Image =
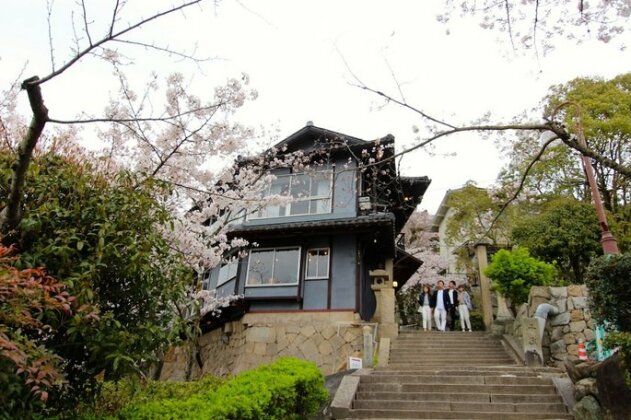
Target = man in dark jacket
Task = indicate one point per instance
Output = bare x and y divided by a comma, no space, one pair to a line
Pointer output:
452,293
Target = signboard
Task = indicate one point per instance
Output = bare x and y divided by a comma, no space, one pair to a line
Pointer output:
354,362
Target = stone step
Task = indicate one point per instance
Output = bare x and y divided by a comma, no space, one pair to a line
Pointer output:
455,358
448,352
456,337
417,414
447,365
475,369
443,379
455,372
434,331
442,348
552,408
456,389
463,397
446,361
444,345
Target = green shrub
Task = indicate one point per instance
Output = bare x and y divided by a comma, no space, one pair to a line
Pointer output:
609,281
286,389
515,272
115,396
621,340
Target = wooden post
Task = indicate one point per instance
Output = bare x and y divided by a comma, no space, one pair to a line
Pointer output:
485,286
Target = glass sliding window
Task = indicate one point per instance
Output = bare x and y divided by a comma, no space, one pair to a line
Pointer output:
317,266
273,267
227,272
310,193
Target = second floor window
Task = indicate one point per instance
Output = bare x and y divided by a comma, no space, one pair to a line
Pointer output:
228,271
310,193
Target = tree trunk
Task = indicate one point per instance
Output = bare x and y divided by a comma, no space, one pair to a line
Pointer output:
11,215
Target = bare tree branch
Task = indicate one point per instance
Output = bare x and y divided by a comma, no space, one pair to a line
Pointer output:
49,12
114,17
85,22
166,50
508,22
520,186
110,37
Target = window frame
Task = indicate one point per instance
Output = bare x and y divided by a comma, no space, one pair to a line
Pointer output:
234,262
328,265
247,273
329,197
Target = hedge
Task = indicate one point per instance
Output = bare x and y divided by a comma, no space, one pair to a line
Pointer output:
289,388
116,396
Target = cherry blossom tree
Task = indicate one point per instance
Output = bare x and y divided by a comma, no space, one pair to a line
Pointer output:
534,24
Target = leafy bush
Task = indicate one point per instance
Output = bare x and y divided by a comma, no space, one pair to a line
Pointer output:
566,233
286,389
515,272
32,304
621,340
609,282
99,236
116,396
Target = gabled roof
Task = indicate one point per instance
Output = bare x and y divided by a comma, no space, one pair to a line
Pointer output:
311,137
310,131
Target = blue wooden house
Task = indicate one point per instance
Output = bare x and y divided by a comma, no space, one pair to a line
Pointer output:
336,245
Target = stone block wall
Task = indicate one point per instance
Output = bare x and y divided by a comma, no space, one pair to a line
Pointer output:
563,331
327,338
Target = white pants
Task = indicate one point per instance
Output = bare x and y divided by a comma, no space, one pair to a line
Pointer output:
426,312
440,318
465,322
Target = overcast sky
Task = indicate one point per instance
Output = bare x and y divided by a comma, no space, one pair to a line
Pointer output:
295,54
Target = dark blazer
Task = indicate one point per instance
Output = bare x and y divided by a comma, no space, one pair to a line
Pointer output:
455,304
446,302
432,299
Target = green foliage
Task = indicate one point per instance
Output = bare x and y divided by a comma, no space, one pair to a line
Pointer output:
515,272
116,396
32,305
609,282
566,233
621,340
99,237
606,122
286,389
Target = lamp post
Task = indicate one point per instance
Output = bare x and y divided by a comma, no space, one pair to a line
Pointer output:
607,240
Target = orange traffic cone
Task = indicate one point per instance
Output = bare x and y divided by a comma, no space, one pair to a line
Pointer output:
582,354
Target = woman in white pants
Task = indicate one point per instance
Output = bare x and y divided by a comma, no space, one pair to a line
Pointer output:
464,306
425,308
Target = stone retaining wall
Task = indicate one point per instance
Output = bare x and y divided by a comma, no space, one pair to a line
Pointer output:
327,338
563,331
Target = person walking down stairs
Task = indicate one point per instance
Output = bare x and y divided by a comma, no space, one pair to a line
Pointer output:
464,306
441,300
425,301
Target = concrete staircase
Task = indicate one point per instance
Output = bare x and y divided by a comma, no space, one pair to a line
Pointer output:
455,375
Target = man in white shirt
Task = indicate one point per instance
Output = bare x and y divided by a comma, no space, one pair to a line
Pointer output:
441,300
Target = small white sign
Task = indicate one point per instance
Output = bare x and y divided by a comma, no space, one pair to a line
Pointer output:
354,362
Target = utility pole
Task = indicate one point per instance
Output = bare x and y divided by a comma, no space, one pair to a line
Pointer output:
607,240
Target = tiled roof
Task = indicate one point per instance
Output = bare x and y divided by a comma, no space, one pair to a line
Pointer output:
367,220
